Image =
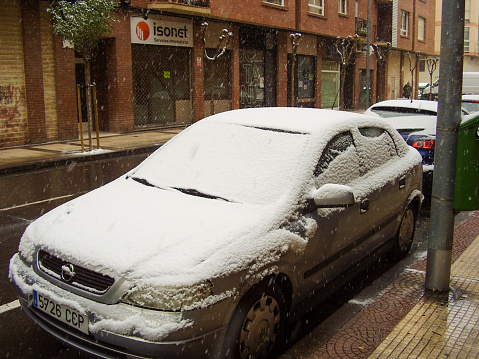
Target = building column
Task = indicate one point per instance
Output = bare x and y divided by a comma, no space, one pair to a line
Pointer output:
319,73
282,83
65,81
34,91
119,77
235,91
198,73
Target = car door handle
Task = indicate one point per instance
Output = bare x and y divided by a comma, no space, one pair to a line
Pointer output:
364,206
402,183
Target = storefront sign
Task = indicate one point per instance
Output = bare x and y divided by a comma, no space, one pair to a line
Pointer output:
157,32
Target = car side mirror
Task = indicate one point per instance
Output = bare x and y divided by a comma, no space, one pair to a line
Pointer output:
333,195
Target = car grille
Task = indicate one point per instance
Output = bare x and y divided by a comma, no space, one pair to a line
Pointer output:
83,278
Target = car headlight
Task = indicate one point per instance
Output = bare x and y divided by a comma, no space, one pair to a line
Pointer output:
168,298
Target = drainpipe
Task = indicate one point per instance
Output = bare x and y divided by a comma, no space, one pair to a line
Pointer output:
368,45
439,254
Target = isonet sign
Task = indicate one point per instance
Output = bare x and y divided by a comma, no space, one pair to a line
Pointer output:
158,32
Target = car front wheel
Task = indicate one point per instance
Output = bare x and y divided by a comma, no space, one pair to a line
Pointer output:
257,324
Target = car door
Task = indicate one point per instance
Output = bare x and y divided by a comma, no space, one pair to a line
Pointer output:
332,249
384,188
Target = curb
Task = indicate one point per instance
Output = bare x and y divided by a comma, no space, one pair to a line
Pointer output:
67,160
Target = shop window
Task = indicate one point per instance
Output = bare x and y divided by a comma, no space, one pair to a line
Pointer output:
330,84
218,77
161,79
304,80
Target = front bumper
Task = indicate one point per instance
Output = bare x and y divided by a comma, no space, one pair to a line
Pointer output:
120,330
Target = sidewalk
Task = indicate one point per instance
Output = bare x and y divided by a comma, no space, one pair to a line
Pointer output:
33,157
404,321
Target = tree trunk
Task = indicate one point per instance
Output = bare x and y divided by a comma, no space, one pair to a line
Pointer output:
88,100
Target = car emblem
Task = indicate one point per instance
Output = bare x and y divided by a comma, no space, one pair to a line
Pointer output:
68,272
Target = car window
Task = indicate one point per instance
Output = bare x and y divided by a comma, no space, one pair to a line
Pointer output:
386,111
471,107
339,162
375,146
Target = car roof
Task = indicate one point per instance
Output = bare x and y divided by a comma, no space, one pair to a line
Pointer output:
408,103
291,119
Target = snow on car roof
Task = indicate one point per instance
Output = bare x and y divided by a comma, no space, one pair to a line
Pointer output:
305,120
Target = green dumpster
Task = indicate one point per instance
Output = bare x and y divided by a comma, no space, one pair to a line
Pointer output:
466,188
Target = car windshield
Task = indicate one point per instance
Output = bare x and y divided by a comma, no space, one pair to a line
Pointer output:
227,161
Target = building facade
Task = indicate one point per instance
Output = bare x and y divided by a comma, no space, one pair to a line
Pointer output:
471,41
160,65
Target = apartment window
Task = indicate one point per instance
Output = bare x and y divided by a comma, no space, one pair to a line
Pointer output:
404,23
466,39
316,7
421,28
343,7
275,2
467,13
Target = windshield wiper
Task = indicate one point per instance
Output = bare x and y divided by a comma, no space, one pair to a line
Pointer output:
188,191
196,193
142,181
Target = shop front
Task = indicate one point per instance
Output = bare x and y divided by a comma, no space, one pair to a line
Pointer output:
161,60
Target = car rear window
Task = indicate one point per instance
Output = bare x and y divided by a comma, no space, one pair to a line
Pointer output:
386,111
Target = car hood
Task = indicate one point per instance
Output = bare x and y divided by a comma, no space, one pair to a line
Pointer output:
148,233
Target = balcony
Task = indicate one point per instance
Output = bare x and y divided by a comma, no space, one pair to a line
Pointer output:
185,7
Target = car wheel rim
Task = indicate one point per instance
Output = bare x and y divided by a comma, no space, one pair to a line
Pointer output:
260,328
406,231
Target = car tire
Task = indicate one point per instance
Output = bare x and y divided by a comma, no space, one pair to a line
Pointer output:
257,326
405,233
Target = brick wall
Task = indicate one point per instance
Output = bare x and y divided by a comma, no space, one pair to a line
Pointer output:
120,78
13,112
48,65
32,57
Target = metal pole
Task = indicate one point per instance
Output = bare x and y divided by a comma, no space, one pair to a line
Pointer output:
439,254
368,44
95,107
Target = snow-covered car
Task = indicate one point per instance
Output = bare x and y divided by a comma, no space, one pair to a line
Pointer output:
230,230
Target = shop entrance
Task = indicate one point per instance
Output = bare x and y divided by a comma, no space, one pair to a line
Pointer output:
257,67
161,85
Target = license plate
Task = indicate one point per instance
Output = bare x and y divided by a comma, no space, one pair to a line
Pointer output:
61,312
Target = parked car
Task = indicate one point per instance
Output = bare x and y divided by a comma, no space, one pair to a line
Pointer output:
210,245
416,121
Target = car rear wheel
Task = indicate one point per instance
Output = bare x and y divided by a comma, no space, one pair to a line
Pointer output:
405,234
257,324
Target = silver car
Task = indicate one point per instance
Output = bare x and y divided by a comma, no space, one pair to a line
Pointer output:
222,236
